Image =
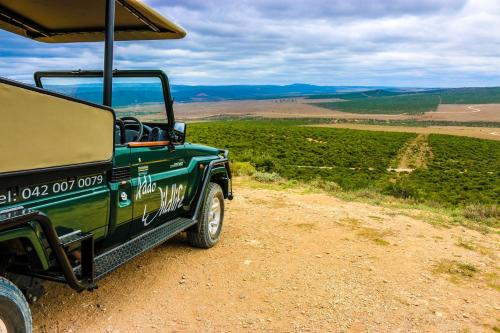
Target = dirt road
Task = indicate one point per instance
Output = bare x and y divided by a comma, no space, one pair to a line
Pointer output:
462,112
295,262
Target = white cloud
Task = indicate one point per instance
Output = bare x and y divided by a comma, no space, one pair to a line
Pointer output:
331,42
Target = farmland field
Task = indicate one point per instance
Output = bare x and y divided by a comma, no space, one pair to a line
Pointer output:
307,108
408,104
483,95
459,170
411,103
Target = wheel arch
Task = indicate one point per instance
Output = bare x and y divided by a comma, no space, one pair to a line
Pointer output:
27,240
221,176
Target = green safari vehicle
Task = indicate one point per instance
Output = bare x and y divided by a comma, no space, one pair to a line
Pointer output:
94,169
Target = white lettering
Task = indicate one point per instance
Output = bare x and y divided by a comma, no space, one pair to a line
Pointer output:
3,199
171,199
146,186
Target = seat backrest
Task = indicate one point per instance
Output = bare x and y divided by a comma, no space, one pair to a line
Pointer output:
41,129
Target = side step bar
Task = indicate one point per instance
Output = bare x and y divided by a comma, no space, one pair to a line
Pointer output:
19,216
116,257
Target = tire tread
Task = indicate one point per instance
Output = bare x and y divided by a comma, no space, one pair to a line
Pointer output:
198,234
11,292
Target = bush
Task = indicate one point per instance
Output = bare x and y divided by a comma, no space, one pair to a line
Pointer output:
242,169
264,163
402,189
266,177
325,185
483,213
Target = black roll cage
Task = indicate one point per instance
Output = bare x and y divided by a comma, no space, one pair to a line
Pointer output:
167,97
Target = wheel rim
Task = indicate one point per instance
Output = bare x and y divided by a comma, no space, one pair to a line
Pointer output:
3,326
214,217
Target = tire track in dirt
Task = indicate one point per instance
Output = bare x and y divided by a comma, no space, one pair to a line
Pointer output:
414,155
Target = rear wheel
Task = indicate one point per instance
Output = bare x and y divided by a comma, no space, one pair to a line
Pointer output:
15,315
207,233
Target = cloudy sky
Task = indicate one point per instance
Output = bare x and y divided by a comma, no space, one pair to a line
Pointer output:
416,43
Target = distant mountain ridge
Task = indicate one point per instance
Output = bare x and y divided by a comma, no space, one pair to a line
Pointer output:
185,93
125,94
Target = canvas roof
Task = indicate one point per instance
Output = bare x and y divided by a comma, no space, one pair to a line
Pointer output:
70,21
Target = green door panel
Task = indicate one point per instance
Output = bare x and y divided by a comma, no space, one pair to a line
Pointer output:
121,205
87,211
159,183
71,203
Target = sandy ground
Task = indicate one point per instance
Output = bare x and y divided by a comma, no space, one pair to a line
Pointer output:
491,133
304,108
294,262
260,108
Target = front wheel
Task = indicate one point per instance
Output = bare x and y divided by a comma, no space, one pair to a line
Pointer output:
207,233
15,315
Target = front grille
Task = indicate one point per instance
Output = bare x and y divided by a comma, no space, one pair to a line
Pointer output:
120,174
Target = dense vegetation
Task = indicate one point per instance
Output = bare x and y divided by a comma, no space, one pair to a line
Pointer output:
397,102
404,122
409,104
470,95
460,170
352,159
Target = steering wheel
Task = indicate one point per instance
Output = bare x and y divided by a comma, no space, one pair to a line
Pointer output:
133,135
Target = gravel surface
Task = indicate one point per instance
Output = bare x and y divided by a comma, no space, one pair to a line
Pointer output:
295,262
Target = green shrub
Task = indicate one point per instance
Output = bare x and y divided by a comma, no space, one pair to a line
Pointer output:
266,177
242,169
325,185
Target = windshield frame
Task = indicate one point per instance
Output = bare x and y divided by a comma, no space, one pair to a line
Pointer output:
38,76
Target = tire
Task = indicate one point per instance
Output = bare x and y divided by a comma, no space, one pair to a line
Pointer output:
15,314
207,232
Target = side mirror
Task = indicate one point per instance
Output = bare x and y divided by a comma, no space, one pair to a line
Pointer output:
180,132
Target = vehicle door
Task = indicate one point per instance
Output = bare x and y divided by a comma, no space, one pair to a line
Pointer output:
159,184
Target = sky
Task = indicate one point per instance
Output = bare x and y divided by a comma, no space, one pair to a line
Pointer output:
406,43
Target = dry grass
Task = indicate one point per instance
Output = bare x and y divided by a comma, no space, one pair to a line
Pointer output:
487,214
492,280
466,244
352,222
457,271
375,235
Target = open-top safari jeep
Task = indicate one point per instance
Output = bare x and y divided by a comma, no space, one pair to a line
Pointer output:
94,169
